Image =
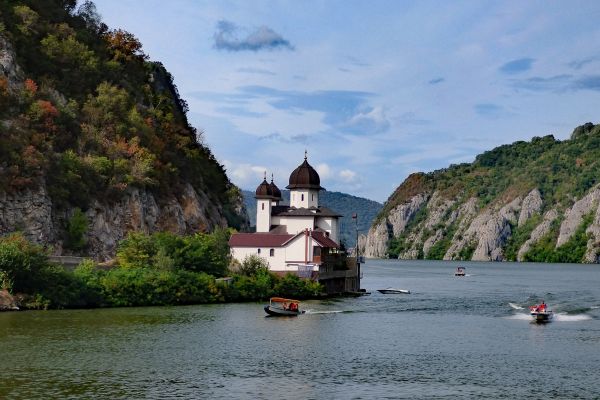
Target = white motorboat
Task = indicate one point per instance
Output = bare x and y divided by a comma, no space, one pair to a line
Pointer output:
393,291
460,271
540,313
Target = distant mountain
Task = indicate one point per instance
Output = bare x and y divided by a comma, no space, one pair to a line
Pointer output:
526,201
343,203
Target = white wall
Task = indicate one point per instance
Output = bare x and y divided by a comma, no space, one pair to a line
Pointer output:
311,198
331,225
284,258
276,262
263,215
296,224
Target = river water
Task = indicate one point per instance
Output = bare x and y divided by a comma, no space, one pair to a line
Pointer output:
450,338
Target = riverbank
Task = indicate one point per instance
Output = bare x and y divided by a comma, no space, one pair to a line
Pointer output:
150,270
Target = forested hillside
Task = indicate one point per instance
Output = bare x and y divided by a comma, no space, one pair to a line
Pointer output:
94,139
531,201
342,203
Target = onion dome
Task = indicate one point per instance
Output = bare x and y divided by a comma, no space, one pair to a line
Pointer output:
264,190
275,190
305,177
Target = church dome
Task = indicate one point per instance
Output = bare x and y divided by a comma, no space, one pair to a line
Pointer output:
275,192
305,177
264,190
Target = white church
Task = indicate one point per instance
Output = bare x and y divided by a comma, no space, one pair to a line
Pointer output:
292,238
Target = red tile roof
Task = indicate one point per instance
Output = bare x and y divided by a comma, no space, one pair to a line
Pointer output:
324,240
258,240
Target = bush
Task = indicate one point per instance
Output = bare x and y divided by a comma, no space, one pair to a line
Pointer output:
252,265
22,263
293,286
77,227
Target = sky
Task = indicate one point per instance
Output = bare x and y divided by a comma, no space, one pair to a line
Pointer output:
372,90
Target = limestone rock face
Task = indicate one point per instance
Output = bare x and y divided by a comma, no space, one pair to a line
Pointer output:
421,238
532,204
542,229
28,211
8,65
393,225
139,211
484,233
465,214
574,215
31,212
401,215
377,240
592,254
493,230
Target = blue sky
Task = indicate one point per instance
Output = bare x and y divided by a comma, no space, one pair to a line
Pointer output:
374,90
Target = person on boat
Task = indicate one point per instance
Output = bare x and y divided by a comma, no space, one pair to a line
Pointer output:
293,307
543,306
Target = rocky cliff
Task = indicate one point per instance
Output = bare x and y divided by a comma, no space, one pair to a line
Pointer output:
490,211
88,126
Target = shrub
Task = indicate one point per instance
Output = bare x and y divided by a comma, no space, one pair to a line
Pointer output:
253,264
293,286
22,263
77,227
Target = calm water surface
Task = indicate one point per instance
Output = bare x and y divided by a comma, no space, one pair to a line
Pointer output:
450,338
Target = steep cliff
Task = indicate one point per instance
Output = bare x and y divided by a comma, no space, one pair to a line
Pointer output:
89,127
490,210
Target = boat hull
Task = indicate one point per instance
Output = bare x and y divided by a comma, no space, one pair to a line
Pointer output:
393,291
542,316
280,312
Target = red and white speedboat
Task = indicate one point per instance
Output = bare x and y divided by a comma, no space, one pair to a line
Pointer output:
540,312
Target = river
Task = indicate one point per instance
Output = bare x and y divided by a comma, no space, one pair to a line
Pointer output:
450,338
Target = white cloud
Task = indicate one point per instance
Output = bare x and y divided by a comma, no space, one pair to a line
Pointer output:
347,175
324,171
245,175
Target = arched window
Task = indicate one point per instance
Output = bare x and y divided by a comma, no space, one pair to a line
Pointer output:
258,251
302,197
313,197
272,252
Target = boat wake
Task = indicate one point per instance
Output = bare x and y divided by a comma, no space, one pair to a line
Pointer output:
571,318
523,317
516,306
323,312
562,317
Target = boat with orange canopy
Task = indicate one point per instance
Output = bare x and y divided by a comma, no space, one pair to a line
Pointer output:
280,307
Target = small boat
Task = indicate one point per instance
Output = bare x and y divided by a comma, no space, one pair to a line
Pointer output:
393,291
460,271
280,307
540,313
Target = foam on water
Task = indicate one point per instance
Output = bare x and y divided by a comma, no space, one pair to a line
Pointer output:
522,317
516,306
562,317
571,318
323,312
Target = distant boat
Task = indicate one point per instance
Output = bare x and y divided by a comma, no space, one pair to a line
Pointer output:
393,291
540,313
280,307
460,271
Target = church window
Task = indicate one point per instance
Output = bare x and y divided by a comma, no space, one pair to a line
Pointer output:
313,197
263,206
302,198
258,251
272,252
